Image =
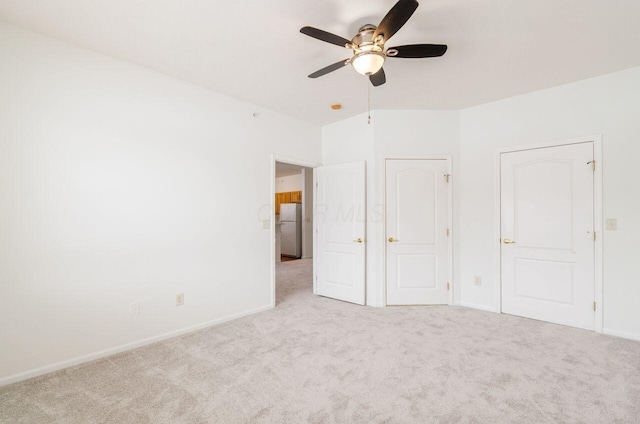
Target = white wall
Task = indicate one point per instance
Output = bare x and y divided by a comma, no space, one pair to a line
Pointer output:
606,105
114,189
391,133
290,183
114,186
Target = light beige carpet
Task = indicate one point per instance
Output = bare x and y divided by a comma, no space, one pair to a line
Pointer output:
316,360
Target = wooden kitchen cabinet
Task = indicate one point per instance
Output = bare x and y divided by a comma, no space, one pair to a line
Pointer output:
296,197
282,198
287,197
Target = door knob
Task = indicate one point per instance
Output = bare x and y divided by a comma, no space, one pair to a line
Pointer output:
358,240
508,241
392,240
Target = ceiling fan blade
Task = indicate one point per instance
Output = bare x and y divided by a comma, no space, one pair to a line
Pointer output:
396,18
329,68
416,51
378,78
325,36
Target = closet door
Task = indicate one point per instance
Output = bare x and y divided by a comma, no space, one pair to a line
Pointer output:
417,236
547,223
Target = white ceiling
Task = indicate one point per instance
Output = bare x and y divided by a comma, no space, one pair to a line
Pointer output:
252,49
287,169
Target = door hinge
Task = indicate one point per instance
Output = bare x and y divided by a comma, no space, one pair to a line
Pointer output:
448,286
595,236
448,232
447,177
593,164
594,306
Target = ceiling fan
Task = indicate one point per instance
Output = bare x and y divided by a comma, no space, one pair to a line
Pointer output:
368,44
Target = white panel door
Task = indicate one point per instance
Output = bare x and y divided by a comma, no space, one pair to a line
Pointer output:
547,222
417,237
340,223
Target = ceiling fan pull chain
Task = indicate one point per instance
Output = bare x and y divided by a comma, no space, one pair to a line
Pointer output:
368,103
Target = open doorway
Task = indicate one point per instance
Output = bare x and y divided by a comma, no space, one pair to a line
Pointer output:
292,219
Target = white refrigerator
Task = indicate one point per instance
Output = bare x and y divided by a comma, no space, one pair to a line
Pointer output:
291,229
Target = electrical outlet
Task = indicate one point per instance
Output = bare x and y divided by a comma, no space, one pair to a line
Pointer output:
134,308
266,224
180,299
477,280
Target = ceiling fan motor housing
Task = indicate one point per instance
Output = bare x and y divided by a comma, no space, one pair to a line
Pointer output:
364,35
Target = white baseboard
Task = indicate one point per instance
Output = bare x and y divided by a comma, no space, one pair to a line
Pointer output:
307,257
4,381
623,334
476,306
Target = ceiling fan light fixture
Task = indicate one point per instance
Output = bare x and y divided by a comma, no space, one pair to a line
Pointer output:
368,62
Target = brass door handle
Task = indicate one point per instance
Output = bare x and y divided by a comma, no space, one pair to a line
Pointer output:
358,240
392,240
508,241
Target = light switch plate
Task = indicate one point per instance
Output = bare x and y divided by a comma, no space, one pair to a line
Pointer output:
611,224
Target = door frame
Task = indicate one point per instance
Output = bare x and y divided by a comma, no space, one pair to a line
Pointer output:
383,175
597,217
272,217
